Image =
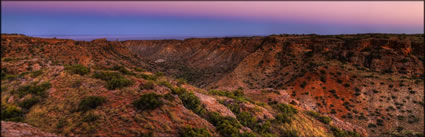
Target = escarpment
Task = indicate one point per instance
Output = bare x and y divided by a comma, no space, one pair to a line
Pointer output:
278,85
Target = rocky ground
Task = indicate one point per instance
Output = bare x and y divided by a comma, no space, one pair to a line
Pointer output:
280,85
13,129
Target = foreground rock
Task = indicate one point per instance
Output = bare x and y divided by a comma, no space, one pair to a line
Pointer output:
14,129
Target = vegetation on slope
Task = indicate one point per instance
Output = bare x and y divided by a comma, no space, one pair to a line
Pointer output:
330,82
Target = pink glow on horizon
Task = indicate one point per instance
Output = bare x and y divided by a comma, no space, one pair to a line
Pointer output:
346,12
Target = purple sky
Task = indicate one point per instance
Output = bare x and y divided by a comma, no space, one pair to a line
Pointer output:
210,18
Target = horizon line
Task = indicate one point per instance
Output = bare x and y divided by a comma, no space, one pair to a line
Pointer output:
192,37
154,35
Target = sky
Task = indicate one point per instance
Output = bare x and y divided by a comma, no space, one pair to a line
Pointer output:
209,18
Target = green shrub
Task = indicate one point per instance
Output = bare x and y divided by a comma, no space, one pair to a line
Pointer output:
178,90
45,85
346,85
113,80
11,113
8,59
28,103
147,85
139,69
264,128
234,107
303,84
285,108
61,123
107,76
166,84
36,73
191,101
181,81
236,94
412,119
195,132
26,73
228,127
90,117
34,89
118,83
293,94
247,119
77,69
147,77
357,89
21,75
289,133
213,117
400,117
286,112
248,134
371,125
219,92
11,77
169,97
283,118
323,79
342,133
91,102
379,122
76,84
148,101
357,94
159,74
333,111
333,91
123,70
323,119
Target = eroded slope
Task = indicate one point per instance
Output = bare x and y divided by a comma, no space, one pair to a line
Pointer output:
102,88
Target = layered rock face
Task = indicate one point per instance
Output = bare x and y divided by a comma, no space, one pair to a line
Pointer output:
211,60
358,78
194,59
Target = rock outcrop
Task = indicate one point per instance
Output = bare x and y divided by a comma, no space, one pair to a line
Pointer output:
15,129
